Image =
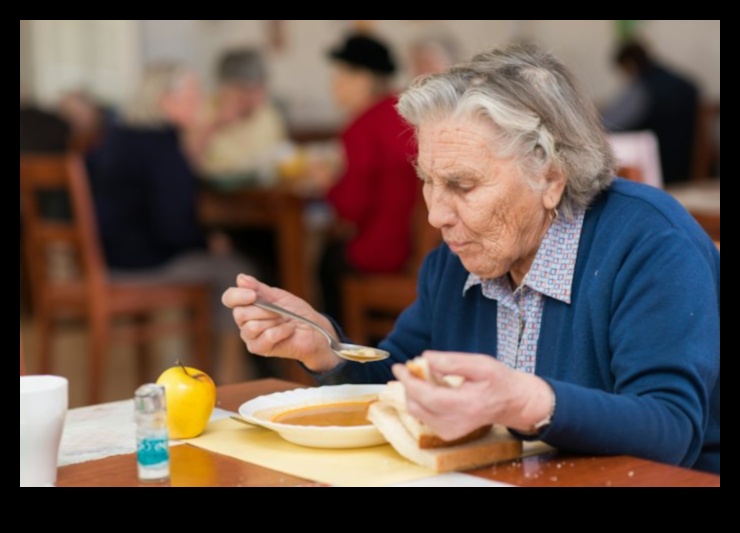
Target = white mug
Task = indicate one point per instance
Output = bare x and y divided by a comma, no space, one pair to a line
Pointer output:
44,401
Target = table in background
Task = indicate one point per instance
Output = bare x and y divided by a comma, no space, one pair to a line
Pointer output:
195,467
279,209
702,200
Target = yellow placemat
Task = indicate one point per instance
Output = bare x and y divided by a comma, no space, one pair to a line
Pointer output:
361,467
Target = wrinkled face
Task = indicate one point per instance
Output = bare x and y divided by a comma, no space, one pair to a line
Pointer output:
353,89
242,99
489,214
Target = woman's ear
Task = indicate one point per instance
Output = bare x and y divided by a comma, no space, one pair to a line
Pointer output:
555,182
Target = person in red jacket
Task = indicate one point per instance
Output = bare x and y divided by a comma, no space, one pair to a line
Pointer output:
378,187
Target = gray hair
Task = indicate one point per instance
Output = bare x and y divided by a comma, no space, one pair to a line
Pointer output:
244,65
144,109
542,117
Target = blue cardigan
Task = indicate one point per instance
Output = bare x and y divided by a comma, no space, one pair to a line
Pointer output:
634,359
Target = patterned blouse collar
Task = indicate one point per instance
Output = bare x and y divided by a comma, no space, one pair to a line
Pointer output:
553,268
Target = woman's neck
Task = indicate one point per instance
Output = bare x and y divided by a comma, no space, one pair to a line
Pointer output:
521,268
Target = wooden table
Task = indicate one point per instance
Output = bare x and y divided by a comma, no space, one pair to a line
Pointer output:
702,200
194,467
278,209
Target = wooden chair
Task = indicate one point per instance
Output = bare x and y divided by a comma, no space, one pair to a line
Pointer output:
372,303
709,222
25,285
630,173
705,150
90,295
714,135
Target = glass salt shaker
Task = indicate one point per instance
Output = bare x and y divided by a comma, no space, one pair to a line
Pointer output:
152,436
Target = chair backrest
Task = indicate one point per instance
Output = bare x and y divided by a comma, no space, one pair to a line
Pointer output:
704,141
710,222
630,173
76,235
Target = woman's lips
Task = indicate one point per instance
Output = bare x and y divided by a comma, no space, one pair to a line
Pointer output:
457,247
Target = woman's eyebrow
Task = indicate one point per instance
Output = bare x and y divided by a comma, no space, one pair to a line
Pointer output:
453,176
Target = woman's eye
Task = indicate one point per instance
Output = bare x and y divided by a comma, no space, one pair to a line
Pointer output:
460,186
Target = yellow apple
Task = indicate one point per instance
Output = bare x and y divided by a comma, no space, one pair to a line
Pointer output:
191,398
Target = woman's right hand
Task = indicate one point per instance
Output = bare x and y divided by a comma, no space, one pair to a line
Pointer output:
271,335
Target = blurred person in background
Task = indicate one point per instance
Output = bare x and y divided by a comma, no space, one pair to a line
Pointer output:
432,54
374,196
237,139
145,191
242,129
659,99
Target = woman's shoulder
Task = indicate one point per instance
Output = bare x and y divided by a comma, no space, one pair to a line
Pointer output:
642,208
631,219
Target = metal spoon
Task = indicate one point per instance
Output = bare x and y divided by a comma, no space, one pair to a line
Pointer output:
350,352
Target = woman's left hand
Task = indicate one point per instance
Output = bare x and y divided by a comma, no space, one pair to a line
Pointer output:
491,394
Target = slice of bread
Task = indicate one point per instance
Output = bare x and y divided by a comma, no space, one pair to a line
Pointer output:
494,446
419,367
395,396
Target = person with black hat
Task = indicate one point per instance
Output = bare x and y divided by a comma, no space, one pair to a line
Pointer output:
377,190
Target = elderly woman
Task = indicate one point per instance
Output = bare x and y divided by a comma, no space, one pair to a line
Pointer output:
582,310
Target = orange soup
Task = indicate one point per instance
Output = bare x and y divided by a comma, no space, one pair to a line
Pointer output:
347,414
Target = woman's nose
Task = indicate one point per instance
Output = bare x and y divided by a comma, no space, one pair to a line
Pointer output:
441,211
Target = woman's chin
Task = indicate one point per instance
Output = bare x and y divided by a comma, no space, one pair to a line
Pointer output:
473,266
